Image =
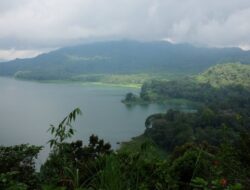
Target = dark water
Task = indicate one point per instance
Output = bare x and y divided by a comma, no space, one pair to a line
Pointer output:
27,109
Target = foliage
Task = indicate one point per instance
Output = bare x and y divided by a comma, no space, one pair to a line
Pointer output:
95,167
64,130
110,177
138,170
17,167
226,74
200,183
224,95
130,98
175,128
189,165
71,164
79,164
136,143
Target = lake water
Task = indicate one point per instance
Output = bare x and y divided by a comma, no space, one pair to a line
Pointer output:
27,109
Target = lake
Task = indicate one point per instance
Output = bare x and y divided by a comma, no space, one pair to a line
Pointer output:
28,108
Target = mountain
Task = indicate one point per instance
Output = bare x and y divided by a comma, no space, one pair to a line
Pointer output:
121,57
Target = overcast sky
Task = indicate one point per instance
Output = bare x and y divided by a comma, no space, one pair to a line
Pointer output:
29,27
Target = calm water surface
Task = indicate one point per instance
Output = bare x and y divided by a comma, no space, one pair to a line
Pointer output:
27,109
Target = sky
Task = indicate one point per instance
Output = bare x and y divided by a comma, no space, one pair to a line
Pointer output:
30,27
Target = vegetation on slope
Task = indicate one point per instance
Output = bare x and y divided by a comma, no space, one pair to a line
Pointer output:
226,74
176,128
227,81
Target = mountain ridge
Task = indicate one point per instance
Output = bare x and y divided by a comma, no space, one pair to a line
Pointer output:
121,57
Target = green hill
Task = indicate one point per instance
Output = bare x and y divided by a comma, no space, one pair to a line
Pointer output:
227,81
226,74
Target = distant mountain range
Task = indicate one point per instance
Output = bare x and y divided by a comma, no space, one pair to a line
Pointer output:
121,57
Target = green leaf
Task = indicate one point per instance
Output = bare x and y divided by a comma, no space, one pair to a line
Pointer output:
64,130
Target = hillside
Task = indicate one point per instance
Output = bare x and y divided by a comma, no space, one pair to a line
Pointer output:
226,74
220,83
120,57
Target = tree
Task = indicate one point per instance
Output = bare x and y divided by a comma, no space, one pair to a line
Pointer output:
17,167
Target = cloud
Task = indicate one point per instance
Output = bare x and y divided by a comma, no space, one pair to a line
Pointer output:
38,24
9,54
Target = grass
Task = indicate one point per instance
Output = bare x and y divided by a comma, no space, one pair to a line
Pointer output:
110,177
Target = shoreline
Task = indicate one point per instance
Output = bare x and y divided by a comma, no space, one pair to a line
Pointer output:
100,84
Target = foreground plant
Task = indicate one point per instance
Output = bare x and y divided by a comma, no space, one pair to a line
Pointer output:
71,165
64,130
